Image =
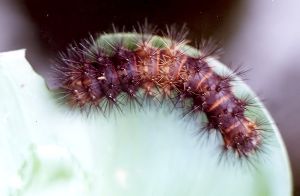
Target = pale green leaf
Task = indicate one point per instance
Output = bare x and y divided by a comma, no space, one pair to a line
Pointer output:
47,149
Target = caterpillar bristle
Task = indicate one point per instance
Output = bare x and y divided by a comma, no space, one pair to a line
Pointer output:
145,30
177,35
118,29
209,48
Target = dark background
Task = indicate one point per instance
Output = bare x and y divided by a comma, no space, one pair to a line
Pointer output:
47,26
60,22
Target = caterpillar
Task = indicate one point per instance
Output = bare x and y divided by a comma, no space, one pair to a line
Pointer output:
129,68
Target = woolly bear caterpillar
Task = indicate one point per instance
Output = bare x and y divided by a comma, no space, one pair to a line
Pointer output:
104,75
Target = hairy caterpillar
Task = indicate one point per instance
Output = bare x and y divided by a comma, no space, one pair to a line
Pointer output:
138,66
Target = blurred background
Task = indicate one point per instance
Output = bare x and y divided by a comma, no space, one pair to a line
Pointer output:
263,35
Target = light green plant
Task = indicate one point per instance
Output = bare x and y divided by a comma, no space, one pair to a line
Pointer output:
46,149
